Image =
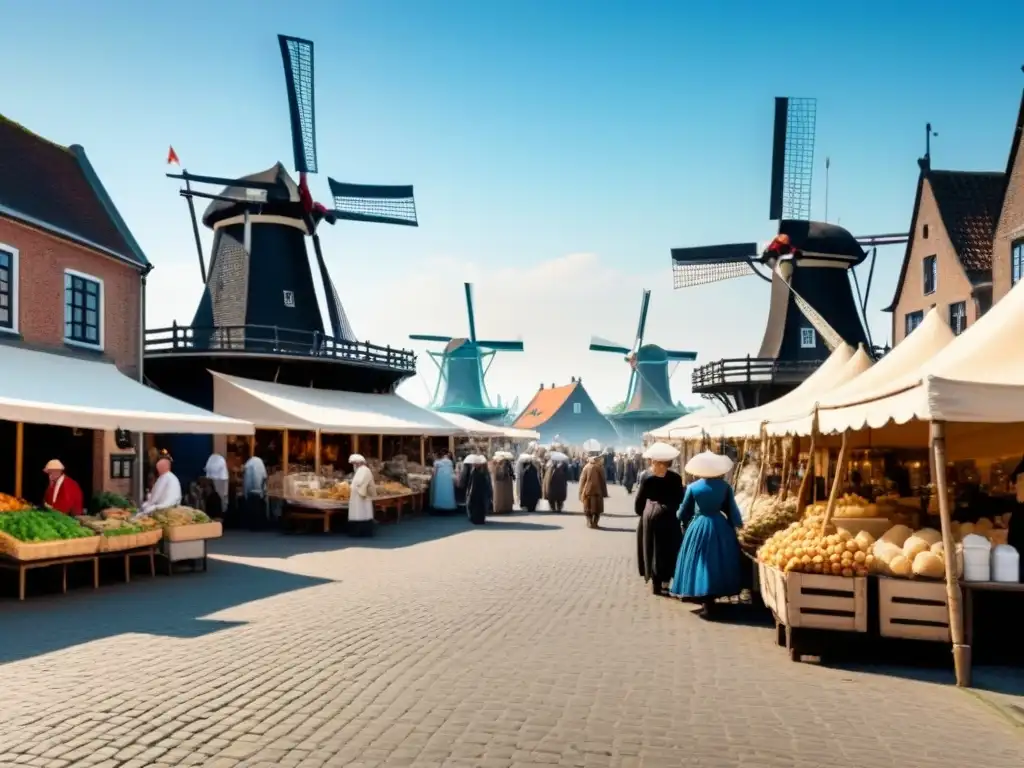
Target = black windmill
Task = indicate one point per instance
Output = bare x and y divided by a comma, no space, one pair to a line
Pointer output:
260,299
808,264
259,316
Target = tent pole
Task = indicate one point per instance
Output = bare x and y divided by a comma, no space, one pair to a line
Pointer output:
451,446
19,457
355,445
423,451
488,446
801,498
961,651
316,458
380,447
837,478
284,452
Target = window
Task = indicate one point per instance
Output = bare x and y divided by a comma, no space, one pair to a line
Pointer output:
958,317
930,274
924,232
808,338
121,467
911,320
577,408
8,288
1016,262
289,299
83,309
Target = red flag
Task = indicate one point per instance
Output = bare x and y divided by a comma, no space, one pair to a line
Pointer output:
172,157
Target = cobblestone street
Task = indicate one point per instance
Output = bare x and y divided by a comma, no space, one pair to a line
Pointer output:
529,642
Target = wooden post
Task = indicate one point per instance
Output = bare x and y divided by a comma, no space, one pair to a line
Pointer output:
765,450
451,446
423,450
801,499
380,447
836,480
740,461
284,451
19,457
316,458
961,651
252,445
355,445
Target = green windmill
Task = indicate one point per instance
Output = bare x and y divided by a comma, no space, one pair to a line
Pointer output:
649,403
462,366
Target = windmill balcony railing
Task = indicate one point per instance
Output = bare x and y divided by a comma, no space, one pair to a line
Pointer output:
263,339
751,370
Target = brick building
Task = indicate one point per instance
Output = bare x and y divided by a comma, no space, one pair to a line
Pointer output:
1008,242
71,284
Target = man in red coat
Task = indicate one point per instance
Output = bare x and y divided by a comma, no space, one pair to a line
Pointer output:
63,493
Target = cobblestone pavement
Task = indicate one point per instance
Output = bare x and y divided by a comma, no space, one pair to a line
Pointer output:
529,642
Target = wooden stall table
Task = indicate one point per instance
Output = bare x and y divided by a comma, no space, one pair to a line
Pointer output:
24,566
128,554
968,588
388,504
321,510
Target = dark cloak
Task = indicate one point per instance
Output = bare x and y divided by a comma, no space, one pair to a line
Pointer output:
658,536
529,486
556,483
479,494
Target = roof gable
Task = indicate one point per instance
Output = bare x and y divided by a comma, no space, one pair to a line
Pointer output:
969,203
545,404
56,189
1018,139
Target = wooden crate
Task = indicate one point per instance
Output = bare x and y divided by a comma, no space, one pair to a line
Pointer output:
194,532
48,550
913,609
814,601
130,541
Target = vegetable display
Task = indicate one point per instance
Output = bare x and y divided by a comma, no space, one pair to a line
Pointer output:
768,515
106,500
111,526
808,548
176,516
37,525
12,503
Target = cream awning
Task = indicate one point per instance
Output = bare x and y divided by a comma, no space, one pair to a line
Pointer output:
47,388
476,428
286,407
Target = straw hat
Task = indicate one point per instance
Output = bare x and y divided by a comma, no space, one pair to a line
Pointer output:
708,464
661,452
53,465
558,456
356,458
524,457
503,456
474,458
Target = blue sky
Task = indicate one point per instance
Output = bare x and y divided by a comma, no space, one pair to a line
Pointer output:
532,131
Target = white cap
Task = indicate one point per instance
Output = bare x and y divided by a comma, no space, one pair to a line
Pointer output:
661,452
356,458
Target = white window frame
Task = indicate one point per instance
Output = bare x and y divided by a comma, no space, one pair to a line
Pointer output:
102,311
577,409
924,274
813,338
15,287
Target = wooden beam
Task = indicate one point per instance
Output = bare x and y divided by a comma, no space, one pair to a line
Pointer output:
316,458
423,450
284,451
19,457
380,447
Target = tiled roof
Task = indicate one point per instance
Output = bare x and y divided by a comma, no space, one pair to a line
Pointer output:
544,405
55,187
969,203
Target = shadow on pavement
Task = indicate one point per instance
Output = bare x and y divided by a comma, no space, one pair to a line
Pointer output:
408,533
174,606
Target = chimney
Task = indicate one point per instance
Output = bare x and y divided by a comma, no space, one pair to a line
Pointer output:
573,379
542,385
552,385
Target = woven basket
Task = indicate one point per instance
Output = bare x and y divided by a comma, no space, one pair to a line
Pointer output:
48,550
194,532
130,541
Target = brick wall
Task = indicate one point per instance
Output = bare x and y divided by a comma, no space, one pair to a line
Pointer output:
41,264
951,285
1010,228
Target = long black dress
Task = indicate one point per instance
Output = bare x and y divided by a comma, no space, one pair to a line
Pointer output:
529,486
479,494
658,536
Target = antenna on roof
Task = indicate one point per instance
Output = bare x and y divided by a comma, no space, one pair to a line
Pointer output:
828,162
928,133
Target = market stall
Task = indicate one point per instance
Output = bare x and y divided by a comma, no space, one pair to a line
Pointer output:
966,393
80,395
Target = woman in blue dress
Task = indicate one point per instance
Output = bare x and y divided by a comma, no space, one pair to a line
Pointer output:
708,566
442,485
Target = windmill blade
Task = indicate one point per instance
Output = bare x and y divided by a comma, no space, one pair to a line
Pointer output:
678,355
502,346
597,344
712,263
828,334
297,57
792,158
428,337
645,304
469,311
374,203
340,326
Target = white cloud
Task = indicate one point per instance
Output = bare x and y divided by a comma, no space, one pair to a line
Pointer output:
555,306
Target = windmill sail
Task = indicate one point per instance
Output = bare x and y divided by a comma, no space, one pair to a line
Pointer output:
712,263
828,334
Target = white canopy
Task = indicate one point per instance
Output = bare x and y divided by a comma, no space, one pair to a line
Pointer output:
45,388
843,364
475,428
356,413
678,427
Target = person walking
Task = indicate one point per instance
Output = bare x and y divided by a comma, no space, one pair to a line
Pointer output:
556,481
658,537
442,484
479,491
528,482
708,566
503,481
593,491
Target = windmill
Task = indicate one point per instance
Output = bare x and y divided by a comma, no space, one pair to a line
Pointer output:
813,308
462,367
260,288
649,402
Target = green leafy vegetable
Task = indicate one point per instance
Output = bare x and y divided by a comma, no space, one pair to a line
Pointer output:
35,525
